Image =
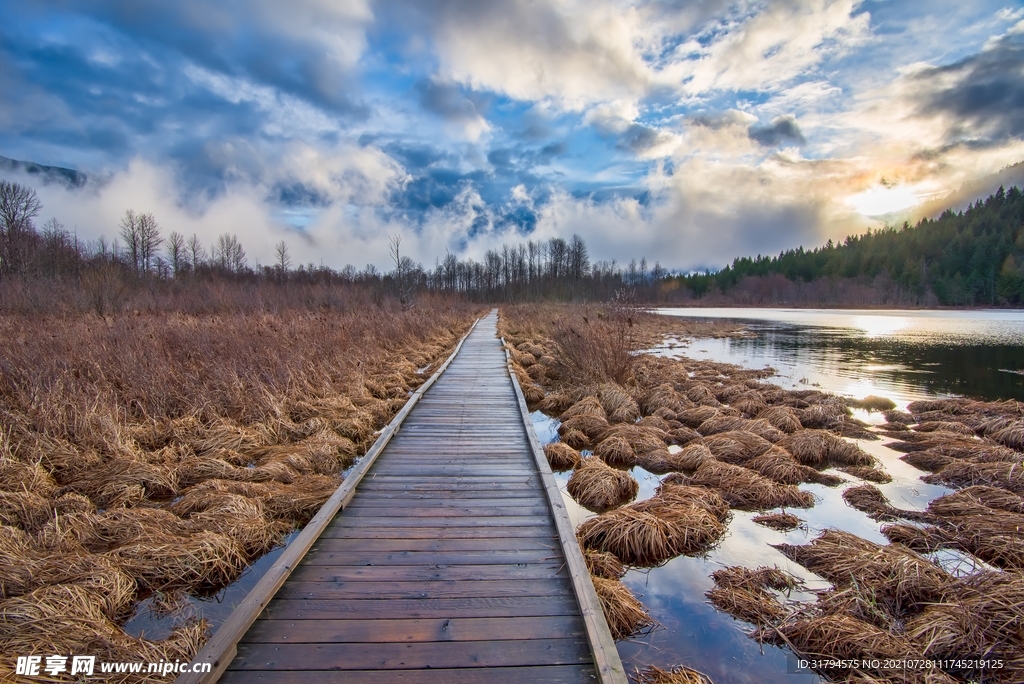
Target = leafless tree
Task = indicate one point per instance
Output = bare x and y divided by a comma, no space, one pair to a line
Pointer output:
228,253
130,234
149,241
18,206
402,265
176,252
194,251
284,260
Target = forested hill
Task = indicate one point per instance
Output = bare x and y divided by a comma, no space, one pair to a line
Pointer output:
968,258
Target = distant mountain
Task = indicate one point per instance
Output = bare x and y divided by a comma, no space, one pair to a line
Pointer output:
46,174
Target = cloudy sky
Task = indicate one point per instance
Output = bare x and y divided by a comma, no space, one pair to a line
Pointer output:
687,131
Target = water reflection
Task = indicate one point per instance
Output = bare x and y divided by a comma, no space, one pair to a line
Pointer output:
906,355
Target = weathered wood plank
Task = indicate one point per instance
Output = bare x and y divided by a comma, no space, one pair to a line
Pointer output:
401,573
362,519
370,532
406,656
362,631
443,545
471,588
552,674
425,558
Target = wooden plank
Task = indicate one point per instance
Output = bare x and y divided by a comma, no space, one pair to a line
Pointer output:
389,558
360,519
467,588
369,532
220,649
383,609
550,674
384,496
363,631
488,509
406,656
441,502
445,545
403,573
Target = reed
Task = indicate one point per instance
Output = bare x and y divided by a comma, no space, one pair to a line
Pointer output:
782,522
625,615
599,487
746,490
562,457
679,674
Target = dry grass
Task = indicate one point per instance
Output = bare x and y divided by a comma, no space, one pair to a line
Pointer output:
164,453
691,457
899,417
736,447
679,520
777,465
658,461
625,614
870,500
746,490
562,457
598,487
944,426
694,417
1008,476
602,564
819,448
745,594
872,403
616,452
640,439
991,497
68,618
901,581
590,424
781,417
676,675
868,473
783,522
587,406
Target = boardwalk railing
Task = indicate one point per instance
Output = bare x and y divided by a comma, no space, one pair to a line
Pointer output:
221,647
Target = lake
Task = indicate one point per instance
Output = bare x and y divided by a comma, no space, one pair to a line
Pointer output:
902,355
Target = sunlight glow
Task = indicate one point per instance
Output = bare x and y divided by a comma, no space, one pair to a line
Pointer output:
883,200
880,326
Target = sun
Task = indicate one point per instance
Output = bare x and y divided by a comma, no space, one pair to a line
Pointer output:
882,200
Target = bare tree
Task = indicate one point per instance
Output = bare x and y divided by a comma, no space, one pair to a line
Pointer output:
149,241
228,253
130,233
176,252
284,261
194,251
401,265
18,206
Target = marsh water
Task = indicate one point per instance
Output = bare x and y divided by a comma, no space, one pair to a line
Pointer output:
902,355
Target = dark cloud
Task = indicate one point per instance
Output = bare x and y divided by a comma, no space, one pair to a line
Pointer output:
782,130
640,138
555,149
450,101
982,93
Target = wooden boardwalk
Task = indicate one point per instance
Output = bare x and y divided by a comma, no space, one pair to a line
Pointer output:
453,561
